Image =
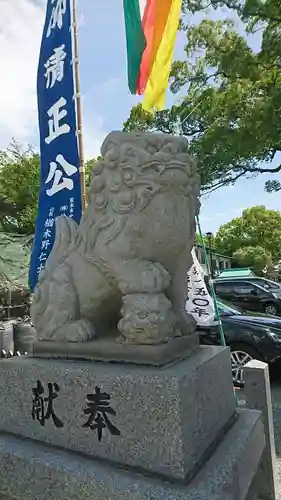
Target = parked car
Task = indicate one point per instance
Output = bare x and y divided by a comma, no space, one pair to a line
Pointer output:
249,296
263,282
248,336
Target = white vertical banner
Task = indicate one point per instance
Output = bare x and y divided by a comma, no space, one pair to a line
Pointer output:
199,302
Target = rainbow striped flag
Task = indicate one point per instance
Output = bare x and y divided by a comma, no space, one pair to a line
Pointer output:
151,29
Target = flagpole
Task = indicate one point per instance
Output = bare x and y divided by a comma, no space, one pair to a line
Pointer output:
78,106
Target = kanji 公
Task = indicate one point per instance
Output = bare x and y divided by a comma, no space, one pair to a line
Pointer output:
56,19
59,181
55,67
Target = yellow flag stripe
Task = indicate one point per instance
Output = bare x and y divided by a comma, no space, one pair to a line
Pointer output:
155,93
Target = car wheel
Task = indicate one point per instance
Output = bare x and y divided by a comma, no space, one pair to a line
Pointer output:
270,309
241,354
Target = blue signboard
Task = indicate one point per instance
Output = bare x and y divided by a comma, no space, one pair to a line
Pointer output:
60,185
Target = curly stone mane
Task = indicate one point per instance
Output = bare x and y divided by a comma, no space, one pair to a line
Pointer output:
128,178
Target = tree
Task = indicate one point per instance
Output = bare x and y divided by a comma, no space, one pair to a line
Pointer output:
19,188
257,258
257,228
89,166
232,104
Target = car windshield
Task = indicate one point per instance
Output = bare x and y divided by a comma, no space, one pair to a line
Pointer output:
227,309
270,285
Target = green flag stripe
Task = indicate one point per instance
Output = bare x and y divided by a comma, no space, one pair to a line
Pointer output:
135,41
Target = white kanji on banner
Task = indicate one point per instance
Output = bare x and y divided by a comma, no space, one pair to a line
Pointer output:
199,302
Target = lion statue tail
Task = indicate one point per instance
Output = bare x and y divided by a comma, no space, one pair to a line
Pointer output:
66,231
54,281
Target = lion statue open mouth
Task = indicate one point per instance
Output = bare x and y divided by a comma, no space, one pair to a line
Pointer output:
124,267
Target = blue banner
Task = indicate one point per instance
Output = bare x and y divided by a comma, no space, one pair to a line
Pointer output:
60,185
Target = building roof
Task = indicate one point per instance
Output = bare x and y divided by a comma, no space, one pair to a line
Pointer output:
239,272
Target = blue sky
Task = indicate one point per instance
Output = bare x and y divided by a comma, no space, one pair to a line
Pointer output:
106,99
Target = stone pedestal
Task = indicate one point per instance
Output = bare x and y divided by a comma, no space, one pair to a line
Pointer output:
258,397
36,472
125,431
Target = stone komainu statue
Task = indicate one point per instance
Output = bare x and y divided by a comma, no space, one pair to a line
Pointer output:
125,266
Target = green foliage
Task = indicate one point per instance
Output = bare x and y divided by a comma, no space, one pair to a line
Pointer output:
205,240
14,258
19,188
272,186
89,166
257,228
232,105
257,258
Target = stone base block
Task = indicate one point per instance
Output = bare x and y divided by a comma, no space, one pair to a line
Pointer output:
30,471
162,420
109,350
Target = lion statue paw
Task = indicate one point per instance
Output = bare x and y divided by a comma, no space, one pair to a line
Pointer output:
147,319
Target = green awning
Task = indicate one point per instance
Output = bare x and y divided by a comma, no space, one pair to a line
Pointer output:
239,272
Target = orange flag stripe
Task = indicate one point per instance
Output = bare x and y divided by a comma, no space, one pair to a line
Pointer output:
154,23
155,91
163,8
148,26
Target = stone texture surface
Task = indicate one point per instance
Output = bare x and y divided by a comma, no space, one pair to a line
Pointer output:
106,350
130,255
30,471
168,417
275,376
258,396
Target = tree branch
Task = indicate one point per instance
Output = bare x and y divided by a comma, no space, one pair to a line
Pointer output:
266,17
231,5
258,170
224,181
